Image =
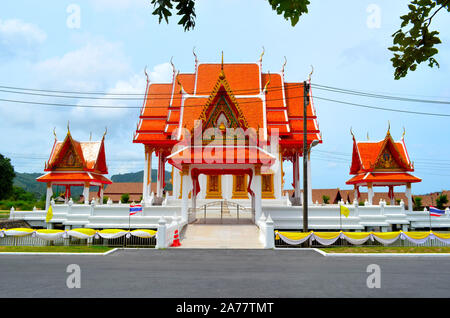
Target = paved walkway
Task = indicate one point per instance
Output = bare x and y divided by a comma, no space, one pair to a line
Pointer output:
242,236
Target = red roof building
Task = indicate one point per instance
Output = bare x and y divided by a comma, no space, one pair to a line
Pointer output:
384,163
187,124
74,163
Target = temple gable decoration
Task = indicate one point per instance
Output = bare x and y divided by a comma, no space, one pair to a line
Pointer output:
222,103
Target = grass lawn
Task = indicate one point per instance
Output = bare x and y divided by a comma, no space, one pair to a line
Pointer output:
56,249
386,249
4,214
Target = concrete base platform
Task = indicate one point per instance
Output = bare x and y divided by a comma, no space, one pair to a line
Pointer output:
240,236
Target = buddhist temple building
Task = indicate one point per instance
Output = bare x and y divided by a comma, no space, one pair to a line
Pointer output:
76,163
225,129
384,163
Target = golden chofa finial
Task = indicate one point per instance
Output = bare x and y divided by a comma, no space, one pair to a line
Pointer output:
267,84
145,72
284,64
54,133
368,136
173,66
195,55
351,133
262,54
310,74
404,132
104,134
68,127
179,83
389,127
221,65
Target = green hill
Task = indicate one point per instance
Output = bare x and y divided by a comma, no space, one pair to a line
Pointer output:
27,181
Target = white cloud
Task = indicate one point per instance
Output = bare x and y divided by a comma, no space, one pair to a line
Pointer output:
162,73
87,68
18,38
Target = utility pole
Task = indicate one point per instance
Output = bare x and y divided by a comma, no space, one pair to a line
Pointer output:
305,155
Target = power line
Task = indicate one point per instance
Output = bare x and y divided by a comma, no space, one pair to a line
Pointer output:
288,86
383,108
388,97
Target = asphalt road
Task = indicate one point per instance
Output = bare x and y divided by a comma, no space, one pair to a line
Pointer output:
221,273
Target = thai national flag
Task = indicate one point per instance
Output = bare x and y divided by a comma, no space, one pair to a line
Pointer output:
135,208
436,212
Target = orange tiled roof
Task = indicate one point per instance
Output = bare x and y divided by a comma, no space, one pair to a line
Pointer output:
384,178
72,160
265,101
67,177
382,162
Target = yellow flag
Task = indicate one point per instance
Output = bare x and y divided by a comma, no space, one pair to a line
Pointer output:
49,214
345,211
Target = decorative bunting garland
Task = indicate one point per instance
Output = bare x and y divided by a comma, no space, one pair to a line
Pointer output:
81,233
358,238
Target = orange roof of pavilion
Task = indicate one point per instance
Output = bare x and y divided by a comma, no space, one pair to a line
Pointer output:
74,161
384,162
262,100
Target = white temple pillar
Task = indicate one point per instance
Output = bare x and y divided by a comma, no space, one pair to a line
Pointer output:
257,190
186,180
194,195
86,193
160,180
370,193
310,200
147,181
48,196
408,194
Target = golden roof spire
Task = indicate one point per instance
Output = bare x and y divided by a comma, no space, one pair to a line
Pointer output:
262,54
267,84
284,64
54,133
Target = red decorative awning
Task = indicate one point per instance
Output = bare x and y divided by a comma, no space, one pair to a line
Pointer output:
383,179
221,155
70,177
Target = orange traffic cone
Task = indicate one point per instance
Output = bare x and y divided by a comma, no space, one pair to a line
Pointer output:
176,240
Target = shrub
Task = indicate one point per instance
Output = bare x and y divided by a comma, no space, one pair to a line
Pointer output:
105,200
418,204
125,198
441,201
325,199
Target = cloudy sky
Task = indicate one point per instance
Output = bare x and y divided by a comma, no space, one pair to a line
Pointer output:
42,46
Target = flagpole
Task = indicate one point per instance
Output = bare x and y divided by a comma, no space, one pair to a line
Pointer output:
429,216
340,217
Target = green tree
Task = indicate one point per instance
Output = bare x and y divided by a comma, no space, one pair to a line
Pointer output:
413,43
7,175
125,198
418,204
325,199
441,201
290,9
